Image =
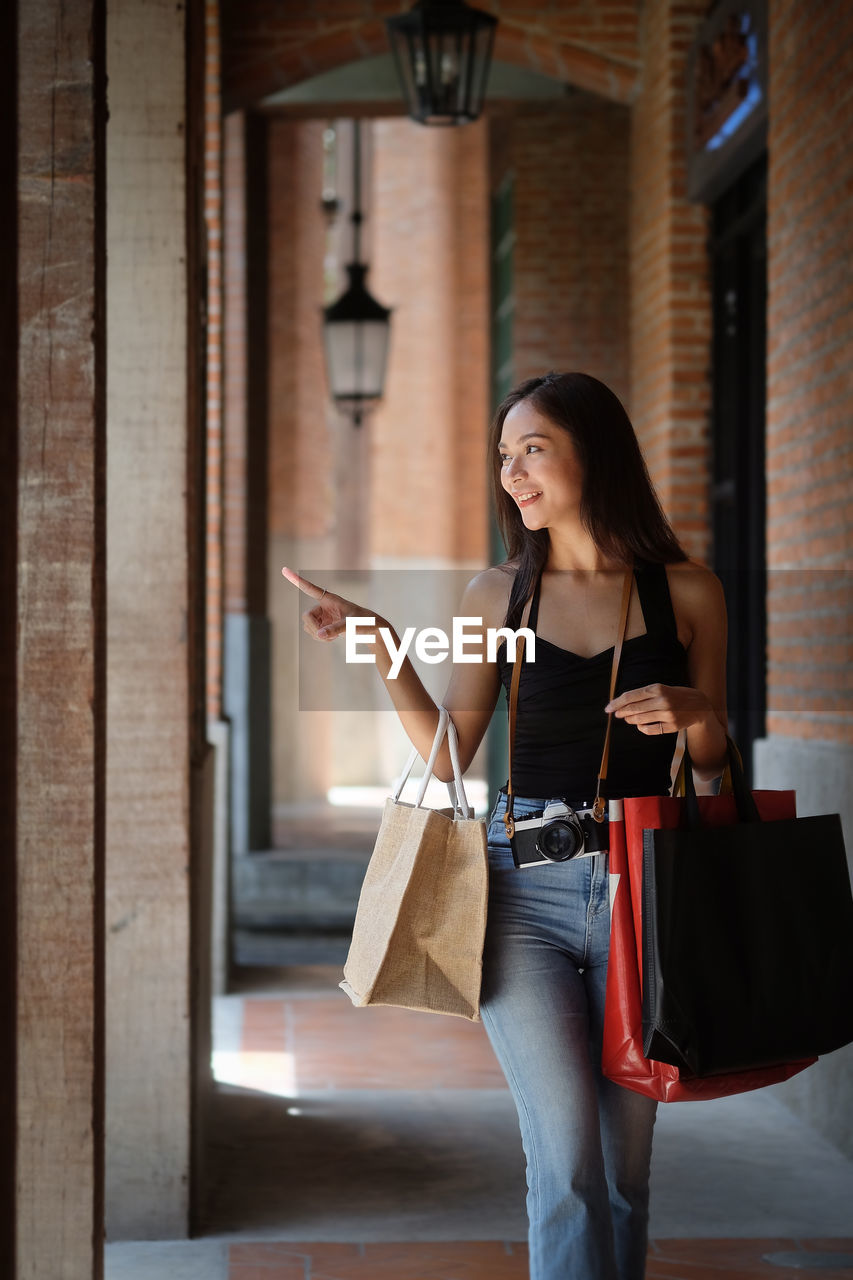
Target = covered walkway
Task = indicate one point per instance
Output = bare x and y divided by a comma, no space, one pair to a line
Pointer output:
384,1144
169,442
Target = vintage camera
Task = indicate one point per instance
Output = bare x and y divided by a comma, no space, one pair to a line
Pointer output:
558,834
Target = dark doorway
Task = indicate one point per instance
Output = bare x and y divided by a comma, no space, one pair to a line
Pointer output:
738,249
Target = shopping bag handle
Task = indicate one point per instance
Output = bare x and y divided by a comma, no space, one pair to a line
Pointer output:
678,786
456,788
733,781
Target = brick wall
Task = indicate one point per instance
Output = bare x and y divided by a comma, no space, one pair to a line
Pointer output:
301,466
234,363
809,381
670,303
470,271
426,209
593,46
570,258
430,263
610,259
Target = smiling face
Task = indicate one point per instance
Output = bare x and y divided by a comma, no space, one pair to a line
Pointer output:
540,468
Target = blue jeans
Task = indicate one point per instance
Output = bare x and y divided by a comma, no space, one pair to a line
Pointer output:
587,1141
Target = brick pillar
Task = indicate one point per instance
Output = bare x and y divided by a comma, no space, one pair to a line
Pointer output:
429,217
301,498
429,239
809,744
235,356
570,256
155,624
809,387
469,196
52,513
315,520
669,297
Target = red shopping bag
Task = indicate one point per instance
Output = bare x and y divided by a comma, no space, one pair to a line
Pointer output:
623,1059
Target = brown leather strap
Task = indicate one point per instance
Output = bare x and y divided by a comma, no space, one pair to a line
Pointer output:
508,819
600,801
726,785
598,809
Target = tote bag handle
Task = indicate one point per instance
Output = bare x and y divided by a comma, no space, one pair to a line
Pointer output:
733,783
456,788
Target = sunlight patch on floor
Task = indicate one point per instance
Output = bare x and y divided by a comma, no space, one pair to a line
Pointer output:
273,1073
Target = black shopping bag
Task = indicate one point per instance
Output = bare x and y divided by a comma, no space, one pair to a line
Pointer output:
747,939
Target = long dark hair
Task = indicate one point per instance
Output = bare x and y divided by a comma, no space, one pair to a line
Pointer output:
619,506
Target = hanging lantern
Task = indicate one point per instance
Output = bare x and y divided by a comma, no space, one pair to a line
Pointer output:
356,328
443,49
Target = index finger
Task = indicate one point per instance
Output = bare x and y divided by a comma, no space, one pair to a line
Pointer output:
310,588
630,696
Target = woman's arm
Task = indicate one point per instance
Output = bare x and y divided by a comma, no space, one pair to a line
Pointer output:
700,610
473,688
697,596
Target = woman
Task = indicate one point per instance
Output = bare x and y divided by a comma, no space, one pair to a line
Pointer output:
576,509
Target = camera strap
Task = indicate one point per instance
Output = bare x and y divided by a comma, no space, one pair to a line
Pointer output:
600,798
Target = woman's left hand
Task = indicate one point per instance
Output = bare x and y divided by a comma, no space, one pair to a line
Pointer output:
661,708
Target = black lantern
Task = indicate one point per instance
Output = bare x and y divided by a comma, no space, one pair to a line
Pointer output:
443,49
356,328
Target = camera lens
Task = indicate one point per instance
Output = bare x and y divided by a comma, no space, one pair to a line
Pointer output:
560,840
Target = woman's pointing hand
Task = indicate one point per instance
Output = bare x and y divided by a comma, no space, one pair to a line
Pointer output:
327,618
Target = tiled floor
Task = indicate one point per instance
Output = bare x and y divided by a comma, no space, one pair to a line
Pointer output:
455,1260
492,1260
306,1039
744,1259
351,1144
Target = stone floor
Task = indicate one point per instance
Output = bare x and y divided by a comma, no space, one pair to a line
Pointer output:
383,1145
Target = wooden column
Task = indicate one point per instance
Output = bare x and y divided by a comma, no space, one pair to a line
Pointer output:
53,578
155,626
8,622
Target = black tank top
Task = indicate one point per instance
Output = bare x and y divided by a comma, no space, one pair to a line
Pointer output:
560,721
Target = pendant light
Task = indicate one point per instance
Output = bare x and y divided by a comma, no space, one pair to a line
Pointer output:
356,328
443,49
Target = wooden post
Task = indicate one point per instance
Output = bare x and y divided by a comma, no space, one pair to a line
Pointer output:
155,713
57,487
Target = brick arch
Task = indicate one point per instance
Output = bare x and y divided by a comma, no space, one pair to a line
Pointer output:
267,49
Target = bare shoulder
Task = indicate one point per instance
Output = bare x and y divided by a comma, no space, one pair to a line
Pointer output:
487,594
697,595
693,580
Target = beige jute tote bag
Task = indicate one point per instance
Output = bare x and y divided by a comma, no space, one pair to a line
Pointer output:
421,918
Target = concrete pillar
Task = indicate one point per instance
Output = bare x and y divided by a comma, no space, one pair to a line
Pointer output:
52,695
158,790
